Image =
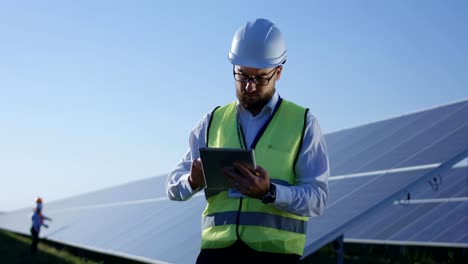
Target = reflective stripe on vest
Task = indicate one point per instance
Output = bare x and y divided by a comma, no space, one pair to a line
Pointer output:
255,219
276,149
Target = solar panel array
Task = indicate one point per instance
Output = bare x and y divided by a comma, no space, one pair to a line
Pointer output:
434,213
372,166
134,220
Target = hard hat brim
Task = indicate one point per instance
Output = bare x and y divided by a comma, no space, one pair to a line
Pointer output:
254,62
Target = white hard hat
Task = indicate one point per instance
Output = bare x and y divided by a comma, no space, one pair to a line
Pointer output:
258,44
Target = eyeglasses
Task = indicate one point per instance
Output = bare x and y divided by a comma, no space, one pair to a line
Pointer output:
255,79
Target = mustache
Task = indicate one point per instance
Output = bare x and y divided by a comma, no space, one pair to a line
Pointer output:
244,92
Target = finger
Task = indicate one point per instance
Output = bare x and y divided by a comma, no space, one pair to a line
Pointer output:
261,172
196,164
232,177
196,178
241,174
230,173
232,183
242,169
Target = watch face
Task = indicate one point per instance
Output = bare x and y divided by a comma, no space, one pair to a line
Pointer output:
270,197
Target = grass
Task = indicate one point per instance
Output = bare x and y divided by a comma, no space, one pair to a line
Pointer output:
14,249
388,254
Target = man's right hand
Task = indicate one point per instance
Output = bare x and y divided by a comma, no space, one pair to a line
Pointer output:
196,178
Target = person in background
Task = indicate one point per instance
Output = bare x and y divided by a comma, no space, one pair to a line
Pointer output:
264,216
38,220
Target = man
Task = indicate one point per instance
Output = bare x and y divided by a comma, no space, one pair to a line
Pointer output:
37,221
265,213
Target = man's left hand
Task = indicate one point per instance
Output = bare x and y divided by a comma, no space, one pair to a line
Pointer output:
252,183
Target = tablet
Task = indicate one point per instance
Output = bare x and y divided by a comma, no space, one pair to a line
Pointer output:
214,159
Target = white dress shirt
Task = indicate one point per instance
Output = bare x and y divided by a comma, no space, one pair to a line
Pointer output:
307,197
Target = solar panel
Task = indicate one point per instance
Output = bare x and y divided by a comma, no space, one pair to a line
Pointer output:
433,140
371,165
388,144
435,213
154,228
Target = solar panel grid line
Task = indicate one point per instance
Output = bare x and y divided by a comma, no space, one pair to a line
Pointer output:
114,204
93,232
403,115
398,217
341,137
447,165
337,231
398,221
425,191
135,227
455,230
452,184
437,145
366,184
367,226
168,204
337,139
149,236
394,161
138,190
138,238
344,134
388,142
371,227
418,145
412,229
190,225
386,172
111,252
159,235
381,219
464,238
371,140
413,222
355,137
441,150
432,229
373,224
57,228
340,190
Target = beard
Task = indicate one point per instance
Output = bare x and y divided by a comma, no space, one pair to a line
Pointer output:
255,102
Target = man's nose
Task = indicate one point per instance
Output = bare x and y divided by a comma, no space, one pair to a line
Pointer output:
250,87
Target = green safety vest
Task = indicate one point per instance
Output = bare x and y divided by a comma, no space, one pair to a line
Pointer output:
261,226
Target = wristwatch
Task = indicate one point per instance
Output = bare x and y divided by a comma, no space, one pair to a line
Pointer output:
270,196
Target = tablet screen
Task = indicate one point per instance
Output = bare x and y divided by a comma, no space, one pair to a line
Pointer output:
214,159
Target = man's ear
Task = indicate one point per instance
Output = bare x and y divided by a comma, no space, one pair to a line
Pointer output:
278,72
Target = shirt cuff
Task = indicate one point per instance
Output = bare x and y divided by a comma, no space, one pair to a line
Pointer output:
283,196
184,179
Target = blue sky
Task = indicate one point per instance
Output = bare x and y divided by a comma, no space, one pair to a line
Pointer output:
95,94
